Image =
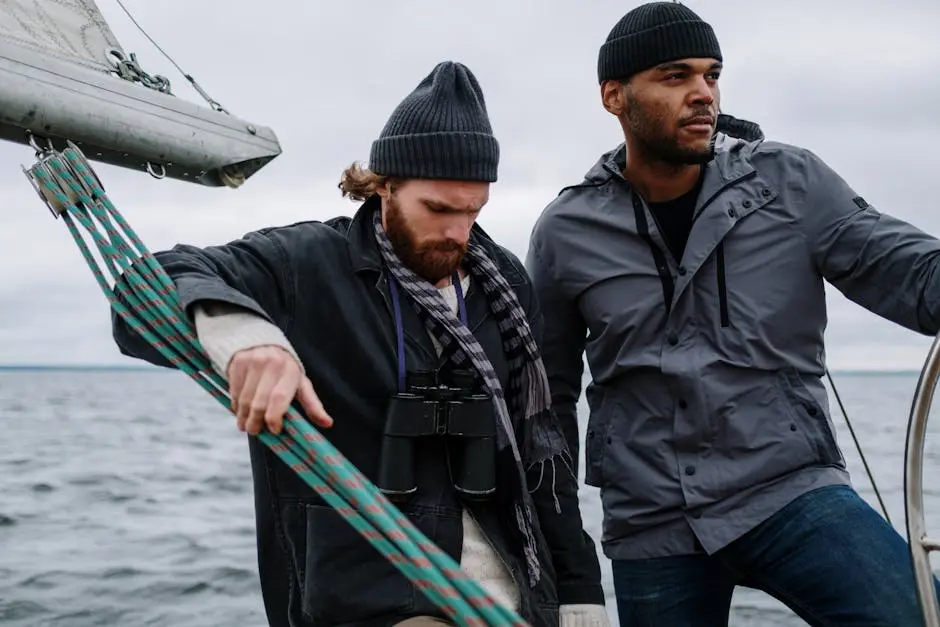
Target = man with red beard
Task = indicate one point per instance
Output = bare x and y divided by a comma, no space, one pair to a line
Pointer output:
344,315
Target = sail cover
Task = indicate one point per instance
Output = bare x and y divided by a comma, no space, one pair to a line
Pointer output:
64,77
70,30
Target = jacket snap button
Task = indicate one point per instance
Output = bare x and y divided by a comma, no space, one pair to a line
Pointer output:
746,203
682,270
732,212
765,193
673,339
811,410
690,470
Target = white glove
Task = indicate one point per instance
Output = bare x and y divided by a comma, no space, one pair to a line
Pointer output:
583,615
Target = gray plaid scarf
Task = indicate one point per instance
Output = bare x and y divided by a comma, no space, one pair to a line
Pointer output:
526,407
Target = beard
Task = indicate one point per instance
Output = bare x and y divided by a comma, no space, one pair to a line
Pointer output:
433,260
653,137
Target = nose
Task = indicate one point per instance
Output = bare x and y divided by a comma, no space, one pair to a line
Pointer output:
458,228
702,93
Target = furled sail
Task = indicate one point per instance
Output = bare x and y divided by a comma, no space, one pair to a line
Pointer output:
65,76
71,30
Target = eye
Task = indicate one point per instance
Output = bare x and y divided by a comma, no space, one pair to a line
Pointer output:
713,76
675,76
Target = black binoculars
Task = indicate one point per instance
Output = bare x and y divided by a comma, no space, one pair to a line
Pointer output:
455,410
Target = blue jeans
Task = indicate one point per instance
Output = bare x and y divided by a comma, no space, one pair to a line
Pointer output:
828,556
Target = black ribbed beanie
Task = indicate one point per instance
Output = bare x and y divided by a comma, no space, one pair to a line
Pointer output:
441,130
651,34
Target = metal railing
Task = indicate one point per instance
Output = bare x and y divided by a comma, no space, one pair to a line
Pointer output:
920,544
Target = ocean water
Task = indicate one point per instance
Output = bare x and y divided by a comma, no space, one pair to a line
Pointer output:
125,499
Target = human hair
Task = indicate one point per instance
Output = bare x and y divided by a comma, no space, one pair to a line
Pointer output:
360,183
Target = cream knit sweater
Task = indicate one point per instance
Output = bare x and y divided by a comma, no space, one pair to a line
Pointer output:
223,331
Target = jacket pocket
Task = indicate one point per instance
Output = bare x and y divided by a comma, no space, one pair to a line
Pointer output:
344,578
760,434
813,418
548,615
597,438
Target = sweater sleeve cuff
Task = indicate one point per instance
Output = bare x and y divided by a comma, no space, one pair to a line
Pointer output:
224,329
580,593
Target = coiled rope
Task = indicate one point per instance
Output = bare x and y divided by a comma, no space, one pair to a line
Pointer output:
72,191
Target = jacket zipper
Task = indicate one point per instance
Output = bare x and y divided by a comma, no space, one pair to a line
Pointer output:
659,259
722,285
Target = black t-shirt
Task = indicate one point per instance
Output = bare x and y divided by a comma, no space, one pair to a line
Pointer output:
674,218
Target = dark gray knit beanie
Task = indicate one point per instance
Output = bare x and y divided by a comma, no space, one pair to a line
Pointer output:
651,34
441,130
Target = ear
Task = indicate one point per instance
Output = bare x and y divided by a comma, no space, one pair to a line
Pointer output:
613,97
384,191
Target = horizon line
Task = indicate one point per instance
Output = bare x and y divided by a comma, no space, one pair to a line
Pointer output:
146,366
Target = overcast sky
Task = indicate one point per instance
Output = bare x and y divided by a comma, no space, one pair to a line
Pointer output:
853,81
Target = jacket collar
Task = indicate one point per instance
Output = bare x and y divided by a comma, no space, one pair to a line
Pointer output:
728,164
363,249
735,139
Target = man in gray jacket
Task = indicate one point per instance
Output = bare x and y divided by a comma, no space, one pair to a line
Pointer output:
690,266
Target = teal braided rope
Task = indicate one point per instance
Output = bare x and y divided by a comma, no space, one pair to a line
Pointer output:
104,246
147,300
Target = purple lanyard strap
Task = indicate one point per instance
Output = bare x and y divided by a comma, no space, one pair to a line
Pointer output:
400,330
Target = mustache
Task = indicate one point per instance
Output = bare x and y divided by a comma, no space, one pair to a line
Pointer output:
449,246
696,116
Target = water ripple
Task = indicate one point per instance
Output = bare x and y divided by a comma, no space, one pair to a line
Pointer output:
128,500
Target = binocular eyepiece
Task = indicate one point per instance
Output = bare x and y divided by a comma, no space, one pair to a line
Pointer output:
457,412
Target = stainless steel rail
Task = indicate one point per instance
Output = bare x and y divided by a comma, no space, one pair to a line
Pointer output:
920,544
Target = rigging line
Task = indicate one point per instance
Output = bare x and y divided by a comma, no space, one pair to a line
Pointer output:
212,102
858,446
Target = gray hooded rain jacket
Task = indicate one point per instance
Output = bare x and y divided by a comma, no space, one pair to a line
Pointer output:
707,408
